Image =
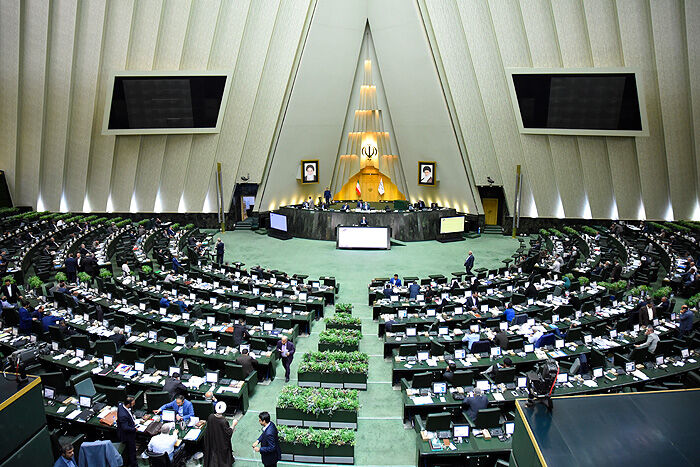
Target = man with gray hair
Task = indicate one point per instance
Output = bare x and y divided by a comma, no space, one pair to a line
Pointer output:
651,342
475,403
118,337
164,442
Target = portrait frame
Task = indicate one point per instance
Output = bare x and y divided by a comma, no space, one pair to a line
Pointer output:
422,165
305,164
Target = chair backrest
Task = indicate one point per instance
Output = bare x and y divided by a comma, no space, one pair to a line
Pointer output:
233,371
505,375
438,421
574,334
83,386
519,319
436,349
283,323
407,350
128,355
158,460
546,339
483,346
517,299
463,378
516,343
162,362
80,341
114,395
195,368
105,347
488,418
258,344
226,340
54,380
56,334
202,409
157,399
422,380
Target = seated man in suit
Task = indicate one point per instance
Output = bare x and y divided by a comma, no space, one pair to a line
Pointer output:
395,281
118,337
164,302
449,373
182,407
664,308
345,207
246,362
67,458
363,222
473,302
475,403
413,290
387,290
685,325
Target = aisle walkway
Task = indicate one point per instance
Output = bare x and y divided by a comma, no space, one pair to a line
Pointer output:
381,436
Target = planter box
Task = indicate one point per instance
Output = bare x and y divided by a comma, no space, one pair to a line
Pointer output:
324,347
339,451
309,379
339,418
309,453
322,455
333,380
344,326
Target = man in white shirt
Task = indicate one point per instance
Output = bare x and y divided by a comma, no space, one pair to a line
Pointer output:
164,442
126,270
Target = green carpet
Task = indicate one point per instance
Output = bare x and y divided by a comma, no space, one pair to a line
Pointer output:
380,424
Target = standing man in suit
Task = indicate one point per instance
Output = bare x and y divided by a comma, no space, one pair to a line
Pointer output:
647,314
616,271
176,265
473,404
327,196
286,351
240,332
469,263
126,431
71,268
413,290
11,291
685,325
268,444
219,252
173,386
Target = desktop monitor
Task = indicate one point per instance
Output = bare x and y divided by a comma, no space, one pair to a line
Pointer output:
211,320
142,306
49,392
474,328
629,367
168,415
268,327
127,329
459,310
286,309
80,353
256,291
394,298
503,326
85,401
460,354
597,372
510,428
211,345
495,351
235,304
461,431
185,316
529,347
244,347
587,339
555,318
260,307
153,335
139,366
522,381
411,332
54,346
559,343
613,333
212,377
315,285
439,388
423,355
302,296
562,377
108,360
484,308
685,353
420,297
483,384
180,340
430,312
403,314
443,331
173,369
660,360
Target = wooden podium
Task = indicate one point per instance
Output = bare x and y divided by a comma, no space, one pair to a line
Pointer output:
369,178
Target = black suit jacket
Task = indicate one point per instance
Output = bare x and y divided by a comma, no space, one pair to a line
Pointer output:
644,316
119,340
240,334
126,428
472,302
290,348
12,298
469,263
246,362
174,387
270,450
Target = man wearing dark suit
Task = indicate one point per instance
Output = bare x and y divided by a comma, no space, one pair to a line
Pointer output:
220,252
240,333
246,362
71,268
501,340
90,265
664,308
268,444
363,222
647,314
126,431
286,351
473,302
173,386
176,266
615,272
473,404
118,337
11,291
421,204
685,325
413,290
469,263
395,281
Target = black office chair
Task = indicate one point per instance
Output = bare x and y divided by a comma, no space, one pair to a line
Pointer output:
202,409
196,368
105,347
258,344
161,362
283,323
519,319
504,375
407,350
54,380
574,334
56,334
226,340
482,346
516,343
422,380
438,421
437,349
398,327
156,399
158,460
463,378
80,341
128,355
485,418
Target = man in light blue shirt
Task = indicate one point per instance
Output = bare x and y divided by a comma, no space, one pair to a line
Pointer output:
182,407
471,338
66,459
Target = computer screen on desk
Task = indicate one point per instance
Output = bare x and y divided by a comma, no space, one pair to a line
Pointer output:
211,345
529,347
443,331
268,327
510,428
439,388
422,356
460,354
522,381
483,384
173,369
139,366
597,372
629,367
461,431
562,377
403,314
212,377
85,401
411,332
49,392
168,415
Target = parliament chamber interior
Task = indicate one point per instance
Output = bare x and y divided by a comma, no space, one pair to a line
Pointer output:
349,232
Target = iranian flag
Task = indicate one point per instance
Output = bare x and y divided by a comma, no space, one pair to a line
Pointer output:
357,189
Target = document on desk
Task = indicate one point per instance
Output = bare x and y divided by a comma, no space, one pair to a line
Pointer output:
73,414
422,400
497,396
61,409
639,374
192,435
590,383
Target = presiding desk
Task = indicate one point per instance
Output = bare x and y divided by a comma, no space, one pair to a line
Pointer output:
405,226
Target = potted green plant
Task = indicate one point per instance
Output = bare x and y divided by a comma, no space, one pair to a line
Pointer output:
146,269
318,404
61,277
35,283
84,278
343,307
105,273
339,339
343,321
663,292
10,278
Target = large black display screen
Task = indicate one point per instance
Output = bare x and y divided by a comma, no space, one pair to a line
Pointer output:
163,102
585,101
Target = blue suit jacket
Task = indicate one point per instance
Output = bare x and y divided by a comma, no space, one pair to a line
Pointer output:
474,404
187,409
469,263
413,290
396,282
126,428
686,321
270,450
71,265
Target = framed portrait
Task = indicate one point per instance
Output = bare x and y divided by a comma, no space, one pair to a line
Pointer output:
426,173
309,171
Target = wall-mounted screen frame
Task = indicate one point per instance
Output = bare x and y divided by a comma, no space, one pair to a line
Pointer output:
163,74
579,71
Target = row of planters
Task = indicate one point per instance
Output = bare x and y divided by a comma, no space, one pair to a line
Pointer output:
318,407
343,321
346,370
345,340
321,446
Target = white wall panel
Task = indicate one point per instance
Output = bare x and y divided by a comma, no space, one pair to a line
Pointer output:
34,33
84,87
117,30
672,71
58,92
692,29
9,88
